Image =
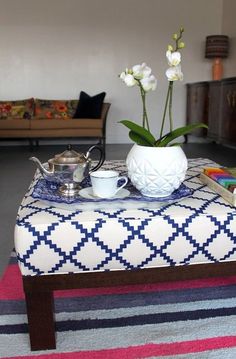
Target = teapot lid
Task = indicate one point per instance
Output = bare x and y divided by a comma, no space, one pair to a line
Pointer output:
69,156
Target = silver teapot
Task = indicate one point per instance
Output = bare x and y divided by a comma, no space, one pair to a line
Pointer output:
69,168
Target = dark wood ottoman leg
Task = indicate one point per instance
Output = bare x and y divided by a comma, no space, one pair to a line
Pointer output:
39,291
40,311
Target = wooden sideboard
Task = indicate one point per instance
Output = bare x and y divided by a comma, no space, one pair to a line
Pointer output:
213,103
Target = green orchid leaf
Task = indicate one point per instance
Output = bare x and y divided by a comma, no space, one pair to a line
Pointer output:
176,144
139,134
138,139
181,131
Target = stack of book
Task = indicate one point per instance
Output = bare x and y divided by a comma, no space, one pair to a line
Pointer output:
222,180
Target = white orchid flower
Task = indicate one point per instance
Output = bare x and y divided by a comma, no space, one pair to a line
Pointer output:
149,83
174,58
141,71
128,79
174,73
122,75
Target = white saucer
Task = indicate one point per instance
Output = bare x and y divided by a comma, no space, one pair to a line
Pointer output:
88,194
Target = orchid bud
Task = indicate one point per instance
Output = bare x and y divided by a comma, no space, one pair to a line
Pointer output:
181,45
181,29
175,36
170,48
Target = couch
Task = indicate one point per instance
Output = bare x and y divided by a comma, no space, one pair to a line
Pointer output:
37,118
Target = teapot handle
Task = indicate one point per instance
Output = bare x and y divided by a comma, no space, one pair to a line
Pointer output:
101,160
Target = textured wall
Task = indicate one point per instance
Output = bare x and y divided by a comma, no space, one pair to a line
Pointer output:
55,48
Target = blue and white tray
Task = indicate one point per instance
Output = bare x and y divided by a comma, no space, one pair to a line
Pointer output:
48,191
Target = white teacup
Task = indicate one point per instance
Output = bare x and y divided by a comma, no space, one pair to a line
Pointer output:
105,183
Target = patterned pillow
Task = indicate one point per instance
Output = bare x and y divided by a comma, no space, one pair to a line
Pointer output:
51,109
17,109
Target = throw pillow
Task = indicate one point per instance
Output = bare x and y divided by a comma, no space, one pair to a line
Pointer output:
89,106
55,109
17,109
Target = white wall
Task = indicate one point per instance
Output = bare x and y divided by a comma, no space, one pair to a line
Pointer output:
229,28
56,48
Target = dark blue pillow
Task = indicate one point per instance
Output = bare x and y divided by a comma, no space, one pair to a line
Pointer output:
89,106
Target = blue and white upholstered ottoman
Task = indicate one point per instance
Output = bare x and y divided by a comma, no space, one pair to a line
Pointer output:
76,243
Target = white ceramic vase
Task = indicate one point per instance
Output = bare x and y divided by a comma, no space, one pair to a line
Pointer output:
156,171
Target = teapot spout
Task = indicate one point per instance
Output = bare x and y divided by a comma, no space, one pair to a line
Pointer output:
41,168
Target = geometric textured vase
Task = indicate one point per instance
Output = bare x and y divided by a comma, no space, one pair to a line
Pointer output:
156,171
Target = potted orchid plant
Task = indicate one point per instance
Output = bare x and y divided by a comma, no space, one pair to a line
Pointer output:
155,166
141,76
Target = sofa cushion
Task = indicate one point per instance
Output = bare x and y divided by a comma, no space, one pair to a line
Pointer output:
19,109
89,106
45,124
58,109
14,124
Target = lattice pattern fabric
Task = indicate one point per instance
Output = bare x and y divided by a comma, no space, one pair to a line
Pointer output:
197,229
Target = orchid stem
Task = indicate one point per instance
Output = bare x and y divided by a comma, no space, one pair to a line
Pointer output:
145,116
170,105
165,109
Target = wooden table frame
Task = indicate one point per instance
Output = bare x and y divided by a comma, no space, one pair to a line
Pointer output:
40,301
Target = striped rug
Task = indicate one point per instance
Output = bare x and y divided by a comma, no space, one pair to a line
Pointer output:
187,319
